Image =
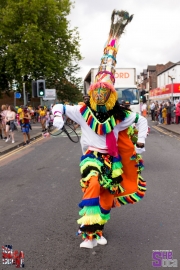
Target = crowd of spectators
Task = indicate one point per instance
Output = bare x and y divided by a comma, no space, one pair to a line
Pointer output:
22,116
165,112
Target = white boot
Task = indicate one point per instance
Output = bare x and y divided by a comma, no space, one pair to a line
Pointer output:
88,243
102,241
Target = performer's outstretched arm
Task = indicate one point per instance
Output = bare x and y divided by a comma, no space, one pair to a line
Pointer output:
71,111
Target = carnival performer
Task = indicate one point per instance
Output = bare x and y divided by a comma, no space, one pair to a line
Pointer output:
106,132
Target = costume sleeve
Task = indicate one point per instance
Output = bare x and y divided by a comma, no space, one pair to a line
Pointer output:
71,111
142,125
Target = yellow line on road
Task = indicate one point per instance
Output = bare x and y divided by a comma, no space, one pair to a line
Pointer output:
19,149
166,133
159,129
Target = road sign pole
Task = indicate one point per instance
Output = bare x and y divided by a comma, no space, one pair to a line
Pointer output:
24,93
14,99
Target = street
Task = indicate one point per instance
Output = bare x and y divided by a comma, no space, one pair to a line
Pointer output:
39,200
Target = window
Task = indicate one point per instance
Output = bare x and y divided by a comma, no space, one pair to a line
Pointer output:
128,94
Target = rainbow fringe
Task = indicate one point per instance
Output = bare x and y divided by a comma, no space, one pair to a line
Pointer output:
94,124
90,236
92,164
92,215
141,184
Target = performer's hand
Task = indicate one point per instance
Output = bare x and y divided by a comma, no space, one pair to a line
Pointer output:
58,122
140,145
139,148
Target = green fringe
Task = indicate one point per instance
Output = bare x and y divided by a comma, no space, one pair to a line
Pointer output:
90,210
93,210
108,127
130,131
121,199
117,165
86,114
88,159
105,216
113,122
137,198
94,125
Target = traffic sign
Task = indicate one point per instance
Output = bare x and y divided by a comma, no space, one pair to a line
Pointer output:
50,94
18,95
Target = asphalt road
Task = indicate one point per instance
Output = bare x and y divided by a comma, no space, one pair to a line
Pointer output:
39,196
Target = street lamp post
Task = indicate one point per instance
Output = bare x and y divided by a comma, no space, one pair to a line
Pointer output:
172,87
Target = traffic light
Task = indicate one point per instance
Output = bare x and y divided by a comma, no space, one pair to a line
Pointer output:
28,97
34,89
41,88
142,95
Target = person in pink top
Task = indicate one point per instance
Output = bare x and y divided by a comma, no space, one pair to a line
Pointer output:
178,113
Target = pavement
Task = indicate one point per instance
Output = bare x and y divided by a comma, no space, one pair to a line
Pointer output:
6,147
174,128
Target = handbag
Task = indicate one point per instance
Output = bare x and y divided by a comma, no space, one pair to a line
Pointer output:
13,126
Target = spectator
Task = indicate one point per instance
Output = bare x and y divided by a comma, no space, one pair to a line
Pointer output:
86,99
3,120
152,107
168,113
42,114
47,118
10,123
160,114
31,111
37,114
173,109
178,113
26,126
156,111
164,115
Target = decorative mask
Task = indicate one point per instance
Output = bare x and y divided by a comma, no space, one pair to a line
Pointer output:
101,95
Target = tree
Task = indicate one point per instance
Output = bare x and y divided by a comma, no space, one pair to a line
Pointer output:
35,40
69,87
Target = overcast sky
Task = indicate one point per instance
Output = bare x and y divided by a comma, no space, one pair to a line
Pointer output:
152,37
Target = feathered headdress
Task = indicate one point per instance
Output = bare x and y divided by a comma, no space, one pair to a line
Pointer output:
105,77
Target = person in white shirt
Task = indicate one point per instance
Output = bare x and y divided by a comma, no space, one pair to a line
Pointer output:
152,107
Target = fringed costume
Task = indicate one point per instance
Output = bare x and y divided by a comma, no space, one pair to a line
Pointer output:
110,167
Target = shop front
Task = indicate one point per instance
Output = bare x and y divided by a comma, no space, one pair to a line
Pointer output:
169,92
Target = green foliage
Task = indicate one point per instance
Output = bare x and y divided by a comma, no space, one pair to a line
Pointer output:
69,87
35,40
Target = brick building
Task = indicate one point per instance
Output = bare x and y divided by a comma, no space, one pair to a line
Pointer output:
148,77
9,99
168,84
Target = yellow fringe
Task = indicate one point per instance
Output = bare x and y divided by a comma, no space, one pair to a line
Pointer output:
116,173
91,220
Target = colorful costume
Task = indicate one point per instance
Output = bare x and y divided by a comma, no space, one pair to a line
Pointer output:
110,167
